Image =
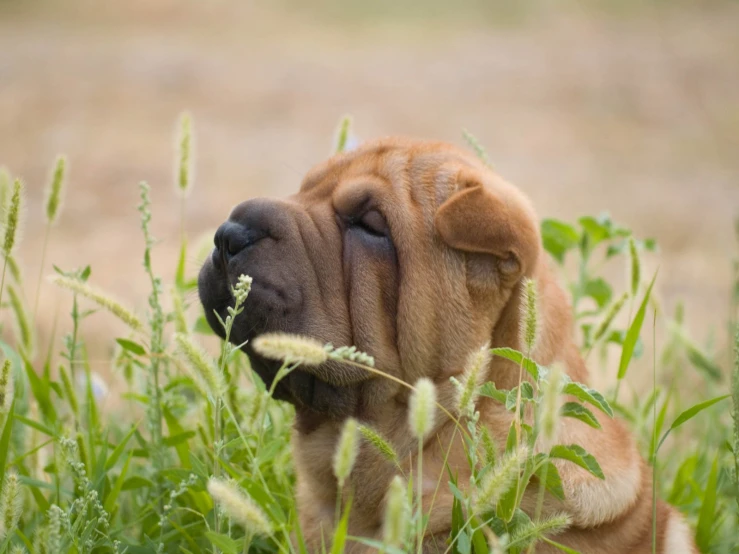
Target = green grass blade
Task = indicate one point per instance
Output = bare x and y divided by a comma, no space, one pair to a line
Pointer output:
35,425
110,501
341,531
119,449
5,443
690,413
632,335
707,517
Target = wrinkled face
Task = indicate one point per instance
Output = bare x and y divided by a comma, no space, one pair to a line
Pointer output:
406,250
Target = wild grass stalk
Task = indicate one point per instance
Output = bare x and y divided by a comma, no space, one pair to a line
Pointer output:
421,418
54,198
156,348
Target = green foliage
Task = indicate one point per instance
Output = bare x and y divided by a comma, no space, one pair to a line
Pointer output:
194,455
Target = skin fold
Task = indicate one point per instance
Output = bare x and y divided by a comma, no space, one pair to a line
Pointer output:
415,252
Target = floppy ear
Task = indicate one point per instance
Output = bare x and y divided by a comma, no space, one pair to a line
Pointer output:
491,217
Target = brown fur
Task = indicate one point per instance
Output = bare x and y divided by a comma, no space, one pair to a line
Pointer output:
462,239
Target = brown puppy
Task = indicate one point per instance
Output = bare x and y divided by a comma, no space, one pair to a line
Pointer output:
415,253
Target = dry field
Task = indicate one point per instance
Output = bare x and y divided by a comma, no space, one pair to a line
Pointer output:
635,112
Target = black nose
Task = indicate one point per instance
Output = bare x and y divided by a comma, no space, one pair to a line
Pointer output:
231,238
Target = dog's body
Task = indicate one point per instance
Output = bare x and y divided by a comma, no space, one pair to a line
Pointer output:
415,252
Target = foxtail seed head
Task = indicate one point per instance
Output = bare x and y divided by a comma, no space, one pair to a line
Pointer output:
184,166
101,299
12,222
346,450
396,523
55,190
499,480
239,507
4,194
529,315
204,368
379,442
290,348
471,380
7,387
11,504
422,408
609,317
531,531
342,134
25,331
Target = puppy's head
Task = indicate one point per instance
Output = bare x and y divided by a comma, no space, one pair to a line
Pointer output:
407,250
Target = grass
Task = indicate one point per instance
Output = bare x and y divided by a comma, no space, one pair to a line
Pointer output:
197,460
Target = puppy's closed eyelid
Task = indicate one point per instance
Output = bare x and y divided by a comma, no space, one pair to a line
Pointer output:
374,222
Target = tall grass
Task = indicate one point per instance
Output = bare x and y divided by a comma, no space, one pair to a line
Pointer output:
193,453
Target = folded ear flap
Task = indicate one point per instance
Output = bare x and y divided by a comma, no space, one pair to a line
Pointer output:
491,217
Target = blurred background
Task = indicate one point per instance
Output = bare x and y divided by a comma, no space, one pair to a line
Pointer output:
625,106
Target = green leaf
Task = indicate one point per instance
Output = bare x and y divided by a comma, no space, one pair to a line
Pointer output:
40,390
225,543
586,394
529,365
136,482
690,413
174,440
464,544
132,346
458,518
479,541
578,411
618,337
201,326
511,441
599,290
577,455
183,452
632,335
527,393
489,390
558,237
707,517
596,229
549,474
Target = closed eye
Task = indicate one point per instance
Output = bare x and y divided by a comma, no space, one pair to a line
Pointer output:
371,222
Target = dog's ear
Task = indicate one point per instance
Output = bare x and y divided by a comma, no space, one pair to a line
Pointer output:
486,215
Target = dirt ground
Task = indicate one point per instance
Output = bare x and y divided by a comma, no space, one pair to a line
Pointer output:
634,111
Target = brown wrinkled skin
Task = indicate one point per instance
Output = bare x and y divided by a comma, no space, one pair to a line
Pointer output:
441,279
